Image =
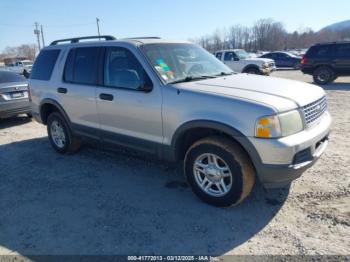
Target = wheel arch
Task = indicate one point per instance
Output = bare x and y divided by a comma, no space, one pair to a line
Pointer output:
192,131
249,67
317,66
48,106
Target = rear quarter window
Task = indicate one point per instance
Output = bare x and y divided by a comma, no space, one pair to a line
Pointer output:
44,64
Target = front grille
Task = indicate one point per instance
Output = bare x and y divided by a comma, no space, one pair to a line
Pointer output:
314,110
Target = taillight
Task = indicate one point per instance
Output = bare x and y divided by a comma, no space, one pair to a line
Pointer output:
303,61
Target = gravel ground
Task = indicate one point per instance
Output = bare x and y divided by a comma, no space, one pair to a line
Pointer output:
98,202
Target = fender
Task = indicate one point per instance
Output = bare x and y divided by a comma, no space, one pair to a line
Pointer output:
229,130
57,105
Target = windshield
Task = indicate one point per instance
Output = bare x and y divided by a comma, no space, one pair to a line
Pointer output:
242,54
176,62
27,63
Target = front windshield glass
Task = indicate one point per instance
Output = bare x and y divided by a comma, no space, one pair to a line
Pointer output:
242,54
27,63
176,62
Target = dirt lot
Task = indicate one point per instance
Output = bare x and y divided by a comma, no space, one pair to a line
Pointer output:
98,202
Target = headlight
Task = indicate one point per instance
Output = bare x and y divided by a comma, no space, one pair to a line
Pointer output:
280,125
265,65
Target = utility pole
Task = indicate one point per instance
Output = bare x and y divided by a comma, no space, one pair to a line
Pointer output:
42,35
37,33
98,27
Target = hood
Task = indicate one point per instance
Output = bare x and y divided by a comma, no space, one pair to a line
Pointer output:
282,94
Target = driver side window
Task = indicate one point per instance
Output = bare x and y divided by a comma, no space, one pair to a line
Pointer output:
230,56
123,70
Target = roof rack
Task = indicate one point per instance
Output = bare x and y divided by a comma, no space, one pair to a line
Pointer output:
77,39
334,42
146,37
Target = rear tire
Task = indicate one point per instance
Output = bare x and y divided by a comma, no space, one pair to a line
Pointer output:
219,171
323,75
60,135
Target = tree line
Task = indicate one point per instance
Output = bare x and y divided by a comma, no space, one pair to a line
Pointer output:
267,35
27,50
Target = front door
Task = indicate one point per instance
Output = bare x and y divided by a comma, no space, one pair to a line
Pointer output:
232,61
128,115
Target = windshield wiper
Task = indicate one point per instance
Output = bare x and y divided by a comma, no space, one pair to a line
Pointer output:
225,74
191,78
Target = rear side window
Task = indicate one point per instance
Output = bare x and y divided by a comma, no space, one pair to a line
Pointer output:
342,51
44,64
81,66
319,51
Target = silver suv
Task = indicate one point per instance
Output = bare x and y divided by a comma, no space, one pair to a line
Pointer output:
177,102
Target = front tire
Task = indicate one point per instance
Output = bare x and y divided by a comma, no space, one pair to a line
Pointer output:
252,71
323,75
60,135
219,171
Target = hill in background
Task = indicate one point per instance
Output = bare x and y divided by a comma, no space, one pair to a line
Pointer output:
337,27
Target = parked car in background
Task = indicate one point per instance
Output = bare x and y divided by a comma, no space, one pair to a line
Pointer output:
240,61
284,59
23,67
177,102
13,95
327,61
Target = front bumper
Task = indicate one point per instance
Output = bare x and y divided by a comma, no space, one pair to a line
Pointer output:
14,107
267,71
280,161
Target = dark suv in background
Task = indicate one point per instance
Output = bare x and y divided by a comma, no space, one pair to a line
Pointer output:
325,62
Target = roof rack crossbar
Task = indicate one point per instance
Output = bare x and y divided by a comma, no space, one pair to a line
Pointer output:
77,39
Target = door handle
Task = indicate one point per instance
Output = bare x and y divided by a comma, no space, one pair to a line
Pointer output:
62,90
107,97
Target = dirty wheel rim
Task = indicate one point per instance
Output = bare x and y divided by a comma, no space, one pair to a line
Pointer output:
323,76
212,175
57,134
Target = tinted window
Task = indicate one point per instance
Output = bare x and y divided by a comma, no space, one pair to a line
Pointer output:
69,67
44,65
85,65
8,77
123,70
229,56
342,50
319,51
219,55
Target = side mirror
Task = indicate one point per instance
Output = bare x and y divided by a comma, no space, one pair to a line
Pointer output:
145,87
236,59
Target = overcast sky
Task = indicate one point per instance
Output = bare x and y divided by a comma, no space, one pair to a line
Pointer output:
176,19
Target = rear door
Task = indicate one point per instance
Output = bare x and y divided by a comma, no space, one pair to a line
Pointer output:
342,58
128,116
77,90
